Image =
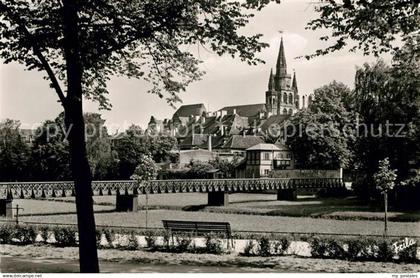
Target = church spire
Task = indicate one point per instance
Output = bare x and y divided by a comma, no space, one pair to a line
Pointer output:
271,81
294,83
281,67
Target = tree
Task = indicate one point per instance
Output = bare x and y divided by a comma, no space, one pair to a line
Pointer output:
373,25
145,171
321,136
14,153
49,152
81,44
386,100
385,181
98,147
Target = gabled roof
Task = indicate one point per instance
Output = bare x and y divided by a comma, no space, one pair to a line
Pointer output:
240,142
274,121
248,110
264,147
190,110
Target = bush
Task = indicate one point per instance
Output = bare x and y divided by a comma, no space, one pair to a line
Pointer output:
65,236
370,249
44,231
98,238
281,246
335,249
24,234
408,255
355,247
150,238
133,244
110,237
249,249
327,248
385,251
264,247
6,233
183,243
213,244
318,247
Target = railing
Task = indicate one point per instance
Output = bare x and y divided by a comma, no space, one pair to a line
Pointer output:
66,188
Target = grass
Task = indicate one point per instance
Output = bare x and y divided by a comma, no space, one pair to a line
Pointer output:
44,207
349,208
241,222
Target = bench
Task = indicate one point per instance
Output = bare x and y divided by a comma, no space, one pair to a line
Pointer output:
198,228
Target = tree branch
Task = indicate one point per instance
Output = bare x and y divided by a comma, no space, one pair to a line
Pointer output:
37,51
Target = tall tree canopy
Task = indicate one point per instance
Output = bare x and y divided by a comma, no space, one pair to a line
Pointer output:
374,26
321,136
80,44
14,152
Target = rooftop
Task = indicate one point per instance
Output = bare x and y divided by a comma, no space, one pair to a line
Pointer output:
264,147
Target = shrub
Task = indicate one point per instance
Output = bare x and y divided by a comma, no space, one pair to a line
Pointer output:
249,248
6,233
24,234
335,249
109,236
133,244
318,247
370,249
385,251
150,238
44,231
213,244
355,247
183,243
264,247
408,255
281,246
98,238
65,236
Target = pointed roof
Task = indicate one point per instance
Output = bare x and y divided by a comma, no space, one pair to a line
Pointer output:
281,66
271,81
294,83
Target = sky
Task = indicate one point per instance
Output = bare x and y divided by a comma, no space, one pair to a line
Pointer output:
26,96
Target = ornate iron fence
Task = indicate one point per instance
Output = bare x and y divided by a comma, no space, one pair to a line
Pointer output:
66,188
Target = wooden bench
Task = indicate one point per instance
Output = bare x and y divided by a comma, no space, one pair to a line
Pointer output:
198,228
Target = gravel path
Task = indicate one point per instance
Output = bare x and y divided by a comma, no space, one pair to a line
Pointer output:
131,261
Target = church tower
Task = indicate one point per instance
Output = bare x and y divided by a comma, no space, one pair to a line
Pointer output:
282,96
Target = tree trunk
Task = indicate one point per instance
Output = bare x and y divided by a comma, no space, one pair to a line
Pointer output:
386,214
73,107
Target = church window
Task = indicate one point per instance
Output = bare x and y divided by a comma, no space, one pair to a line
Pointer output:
284,111
290,111
285,98
290,98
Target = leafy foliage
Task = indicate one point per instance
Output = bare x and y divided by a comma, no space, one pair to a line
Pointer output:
385,177
373,25
146,170
137,39
318,137
14,152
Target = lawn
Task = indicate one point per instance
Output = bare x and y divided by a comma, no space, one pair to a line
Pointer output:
37,207
241,222
349,208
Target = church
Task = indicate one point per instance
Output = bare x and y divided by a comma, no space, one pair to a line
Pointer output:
231,130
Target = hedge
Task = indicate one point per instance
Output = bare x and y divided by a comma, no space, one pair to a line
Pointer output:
358,249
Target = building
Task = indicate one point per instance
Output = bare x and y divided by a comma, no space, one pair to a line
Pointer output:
231,130
263,158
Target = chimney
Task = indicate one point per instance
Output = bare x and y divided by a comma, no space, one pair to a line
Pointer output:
224,113
234,111
209,144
